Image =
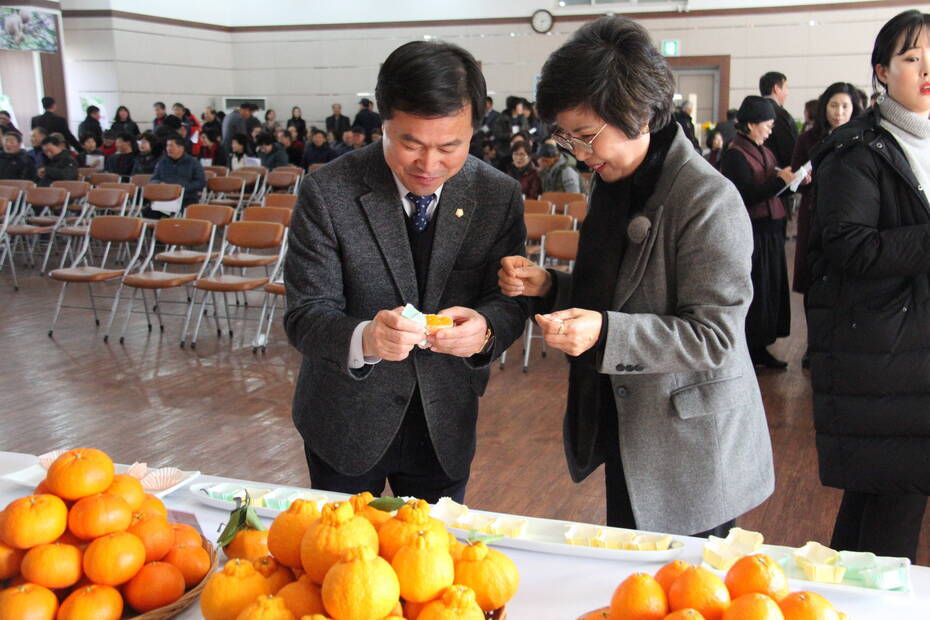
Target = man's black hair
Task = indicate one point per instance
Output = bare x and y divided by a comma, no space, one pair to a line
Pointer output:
177,139
91,109
431,79
159,104
769,81
47,102
15,134
54,140
264,139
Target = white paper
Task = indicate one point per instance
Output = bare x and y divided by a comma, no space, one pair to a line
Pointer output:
798,178
207,161
94,161
251,161
166,206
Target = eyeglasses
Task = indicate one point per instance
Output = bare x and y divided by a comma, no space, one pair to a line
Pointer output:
569,143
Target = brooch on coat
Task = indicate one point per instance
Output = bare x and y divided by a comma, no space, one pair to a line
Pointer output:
638,230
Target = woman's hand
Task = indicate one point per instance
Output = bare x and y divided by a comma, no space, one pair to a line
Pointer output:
786,175
572,331
521,276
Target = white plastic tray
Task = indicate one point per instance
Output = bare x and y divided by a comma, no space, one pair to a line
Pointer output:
543,535
798,582
34,474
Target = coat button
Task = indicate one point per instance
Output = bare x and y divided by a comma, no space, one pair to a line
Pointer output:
639,368
630,368
879,145
904,309
854,326
623,392
920,188
400,400
620,368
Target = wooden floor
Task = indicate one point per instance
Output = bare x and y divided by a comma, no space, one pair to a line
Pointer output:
225,411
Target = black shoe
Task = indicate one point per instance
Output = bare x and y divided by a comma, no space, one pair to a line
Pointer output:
766,359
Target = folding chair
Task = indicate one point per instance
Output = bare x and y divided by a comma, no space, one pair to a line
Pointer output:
286,201
227,191
140,180
174,233
537,206
20,230
163,192
253,183
289,168
97,200
273,290
578,210
84,172
284,181
244,236
43,200
220,171
107,229
134,193
560,199
15,191
219,216
5,248
103,177
78,191
208,174
563,245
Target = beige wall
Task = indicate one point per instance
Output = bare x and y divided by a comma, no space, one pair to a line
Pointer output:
137,63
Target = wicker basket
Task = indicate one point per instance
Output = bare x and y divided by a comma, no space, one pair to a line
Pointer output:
497,614
189,598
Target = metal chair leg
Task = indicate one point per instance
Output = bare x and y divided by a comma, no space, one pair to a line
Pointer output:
48,251
216,315
191,295
226,311
274,305
145,304
132,299
90,290
258,341
203,308
527,341
113,308
61,298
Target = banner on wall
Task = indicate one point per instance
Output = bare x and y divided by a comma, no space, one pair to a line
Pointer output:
28,30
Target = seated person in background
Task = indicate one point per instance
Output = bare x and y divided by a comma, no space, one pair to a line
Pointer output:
253,136
184,133
35,139
122,161
331,138
294,155
149,152
557,171
91,156
109,143
270,152
171,125
297,141
180,168
6,122
490,153
211,148
375,135
318,151
238,151
15,163
358,137
521,168
61,165
345,145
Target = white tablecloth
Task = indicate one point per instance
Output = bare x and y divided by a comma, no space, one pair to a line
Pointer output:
552,587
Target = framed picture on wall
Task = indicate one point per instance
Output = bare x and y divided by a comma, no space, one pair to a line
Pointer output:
28,30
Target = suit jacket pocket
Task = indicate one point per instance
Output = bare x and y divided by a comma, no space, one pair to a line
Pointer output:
707,398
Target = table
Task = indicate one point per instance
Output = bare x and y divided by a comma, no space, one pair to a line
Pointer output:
552,587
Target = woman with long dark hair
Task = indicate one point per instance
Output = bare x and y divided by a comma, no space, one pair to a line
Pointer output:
661,388
754,171
296,120
835,107
868,305
124,124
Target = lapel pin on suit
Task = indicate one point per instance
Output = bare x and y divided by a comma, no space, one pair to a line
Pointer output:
459,213
638,229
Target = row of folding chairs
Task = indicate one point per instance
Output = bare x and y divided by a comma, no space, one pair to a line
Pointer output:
257,241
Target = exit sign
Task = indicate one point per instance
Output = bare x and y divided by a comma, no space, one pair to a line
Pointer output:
671,48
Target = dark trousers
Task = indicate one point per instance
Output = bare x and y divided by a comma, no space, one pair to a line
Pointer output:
619,506
410,465
883,524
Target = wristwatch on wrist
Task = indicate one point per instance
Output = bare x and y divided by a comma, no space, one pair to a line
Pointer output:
488,345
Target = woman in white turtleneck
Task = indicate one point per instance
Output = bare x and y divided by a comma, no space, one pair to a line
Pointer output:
868,305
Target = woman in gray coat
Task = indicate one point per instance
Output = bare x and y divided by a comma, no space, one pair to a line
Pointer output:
661,386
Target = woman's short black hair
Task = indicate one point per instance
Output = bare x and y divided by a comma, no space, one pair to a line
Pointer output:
431,79
909,24
821,124
89,136
128,115
611,67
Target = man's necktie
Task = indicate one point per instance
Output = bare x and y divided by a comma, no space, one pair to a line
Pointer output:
421,217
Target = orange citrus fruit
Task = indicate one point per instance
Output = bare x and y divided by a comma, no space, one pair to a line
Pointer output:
53,565
155,585
79,473
807,606
192,561
685,614
670,572
129,488
757,573
753,606
702,590
638,597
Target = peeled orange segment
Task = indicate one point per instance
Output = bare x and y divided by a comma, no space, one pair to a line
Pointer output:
435,322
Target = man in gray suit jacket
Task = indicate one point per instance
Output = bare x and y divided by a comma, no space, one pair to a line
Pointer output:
412,219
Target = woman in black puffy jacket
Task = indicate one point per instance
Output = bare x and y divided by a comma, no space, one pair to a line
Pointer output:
868,306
